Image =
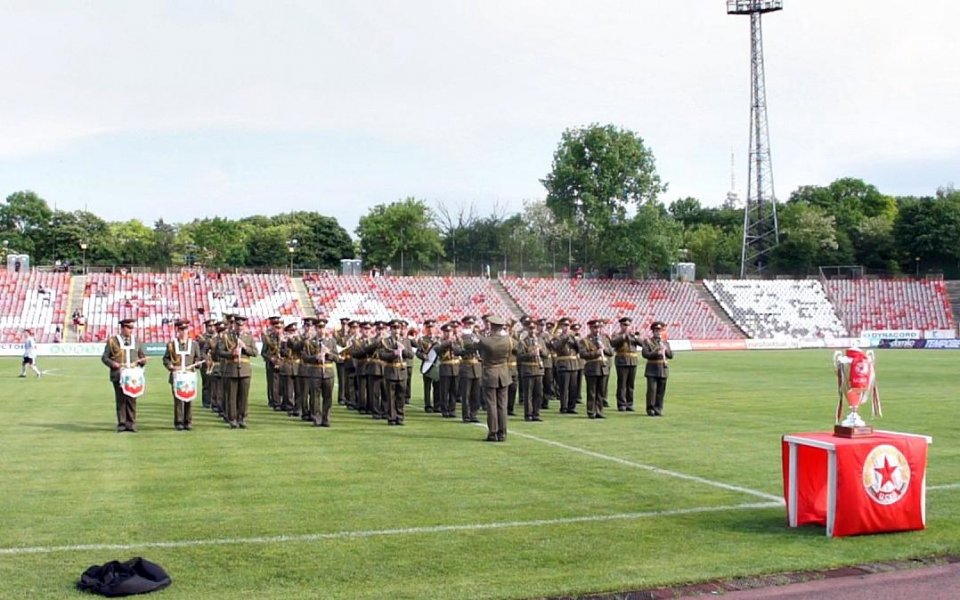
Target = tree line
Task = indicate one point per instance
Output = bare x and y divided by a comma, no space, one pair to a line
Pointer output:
602,214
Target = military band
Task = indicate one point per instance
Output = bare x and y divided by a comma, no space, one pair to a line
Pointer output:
369,364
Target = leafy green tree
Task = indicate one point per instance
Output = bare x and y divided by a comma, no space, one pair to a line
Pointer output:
401,234
24,217
321,241
599,174
268,246
807,239
219,242
929,229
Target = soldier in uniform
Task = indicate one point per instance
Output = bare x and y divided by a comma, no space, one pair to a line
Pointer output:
114,356
340,338
470,371
318,359
566,363
531,355
205,341
577,392
449,370
270,350
656,350
288,368
594,351
217,402
626,344
393,353
235,351
350,365
545,329
360,363
495,350
430,385
305,373
182,352
512,366
409,340
373,369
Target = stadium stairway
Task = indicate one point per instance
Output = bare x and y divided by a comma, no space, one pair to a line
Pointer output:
306,304
707,297
78,284
953,294
508,299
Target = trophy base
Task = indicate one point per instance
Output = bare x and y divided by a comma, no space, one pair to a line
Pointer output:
852,432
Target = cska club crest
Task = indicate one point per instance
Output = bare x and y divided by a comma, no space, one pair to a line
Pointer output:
132,381
886,475
185,385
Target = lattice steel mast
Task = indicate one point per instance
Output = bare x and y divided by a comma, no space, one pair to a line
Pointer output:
760,233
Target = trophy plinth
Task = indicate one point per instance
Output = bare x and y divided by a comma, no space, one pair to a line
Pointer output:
846,431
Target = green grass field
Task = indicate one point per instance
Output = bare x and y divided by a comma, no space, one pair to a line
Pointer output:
361,510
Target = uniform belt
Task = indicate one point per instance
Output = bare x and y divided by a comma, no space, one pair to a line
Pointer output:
397,365
499,364
469,361
234,361
449,362
530,364
619,353
593,360
656,362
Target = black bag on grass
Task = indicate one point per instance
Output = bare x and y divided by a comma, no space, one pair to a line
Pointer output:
136,576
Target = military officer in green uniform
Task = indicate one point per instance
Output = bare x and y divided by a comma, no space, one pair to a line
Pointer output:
206,341
595,351
318,364
626,344
495,350
448,371
566,363
470,371
182,353
270,351
393,353
340,338
431,385
656,350
123,350
531,355
235,350
217,403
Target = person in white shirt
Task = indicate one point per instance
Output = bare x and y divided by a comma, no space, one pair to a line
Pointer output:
29,354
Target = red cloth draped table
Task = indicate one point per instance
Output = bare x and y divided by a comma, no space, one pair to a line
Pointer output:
854,486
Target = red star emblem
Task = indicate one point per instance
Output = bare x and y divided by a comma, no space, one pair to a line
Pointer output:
886,471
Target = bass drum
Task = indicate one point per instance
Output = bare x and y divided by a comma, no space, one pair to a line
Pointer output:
185,385
132,381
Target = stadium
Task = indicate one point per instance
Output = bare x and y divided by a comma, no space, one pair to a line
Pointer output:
362,511
393,300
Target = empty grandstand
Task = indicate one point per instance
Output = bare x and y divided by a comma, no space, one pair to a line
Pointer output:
891,304
32,299
782,308
761,308
155,300
675,303
412,298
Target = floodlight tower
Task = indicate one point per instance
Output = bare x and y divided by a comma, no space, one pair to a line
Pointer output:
760,234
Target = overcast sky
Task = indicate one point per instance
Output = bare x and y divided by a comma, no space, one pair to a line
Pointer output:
189,108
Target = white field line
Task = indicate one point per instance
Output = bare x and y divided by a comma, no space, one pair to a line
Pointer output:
342,535
947,486
652,469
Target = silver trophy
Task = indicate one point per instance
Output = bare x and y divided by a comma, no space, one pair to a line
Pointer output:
856,384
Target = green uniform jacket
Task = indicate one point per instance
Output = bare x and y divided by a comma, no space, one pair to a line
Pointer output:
113,353
230,365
